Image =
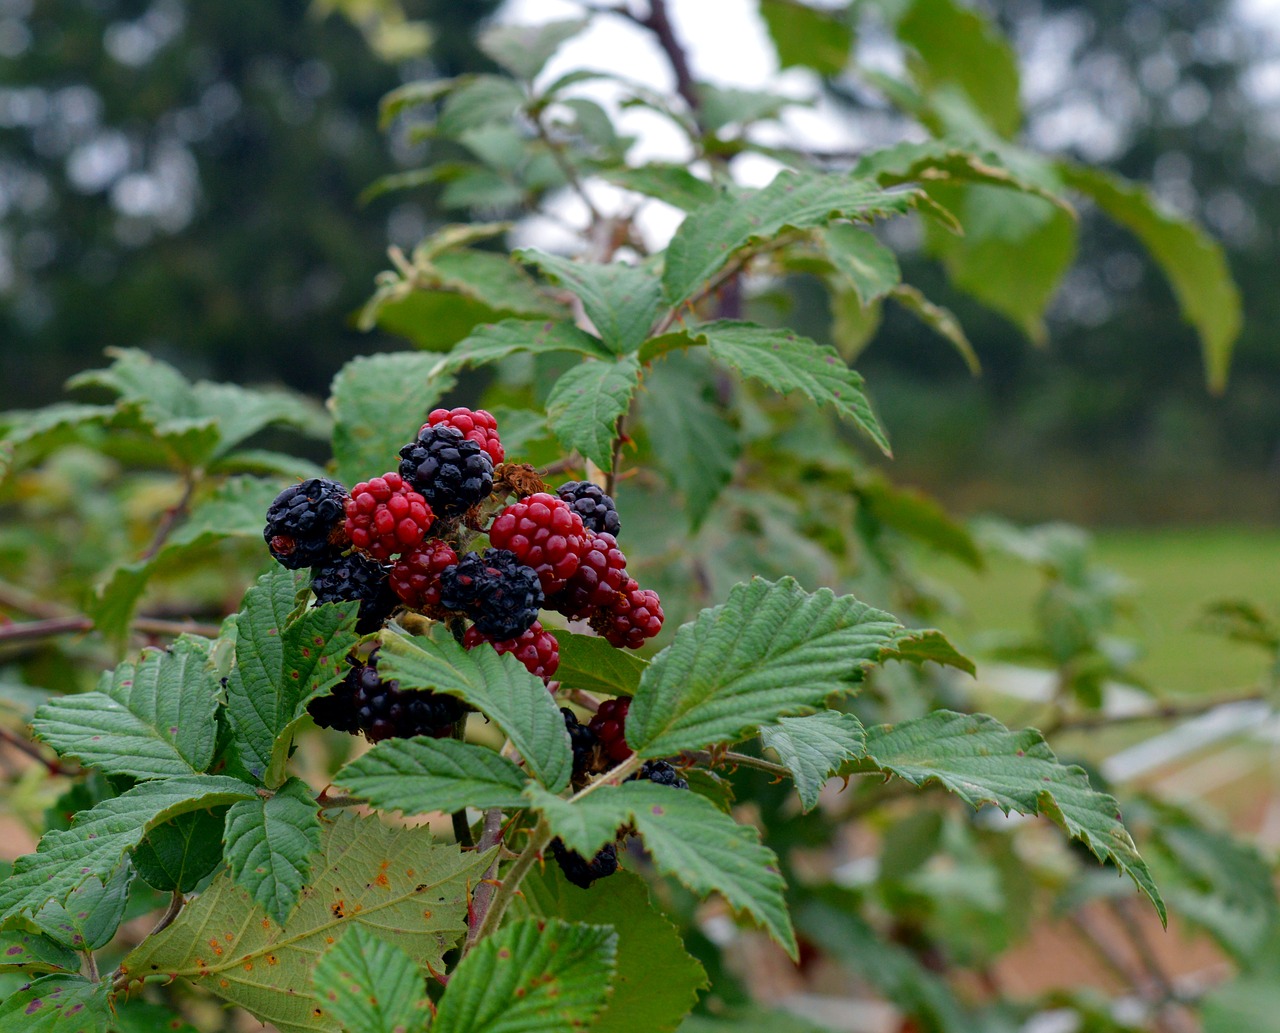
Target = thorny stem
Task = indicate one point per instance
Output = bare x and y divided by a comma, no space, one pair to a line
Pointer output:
483,897
619,437
659,23
27,631
174,514
90,966
741,760
22,745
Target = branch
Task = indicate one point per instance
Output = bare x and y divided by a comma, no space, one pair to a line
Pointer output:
29,630
659,23
25,746
487,926
556,148
173,515
483,897
1171,711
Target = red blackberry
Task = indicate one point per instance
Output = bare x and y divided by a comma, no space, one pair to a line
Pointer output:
381,710
597,582
500,595
385,516
537,649
415,576
354,577
304,523
660,773
634,616
584,742
609,724
545,534
477,425
452,472
596,509
578,870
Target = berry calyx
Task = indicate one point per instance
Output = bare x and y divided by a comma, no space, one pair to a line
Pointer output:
589,501
452,472
353,577
631,619
476,425
609,725
386,517
380,709
598,581
544,533
578,870
501,595
415,576
304,523
537,648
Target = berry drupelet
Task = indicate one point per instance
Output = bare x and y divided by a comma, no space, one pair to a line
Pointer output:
476,425
537,648
452,472
500,595
353,577
385,517
415,576
632,618
305,523
545,534
660,773
609,726
596,509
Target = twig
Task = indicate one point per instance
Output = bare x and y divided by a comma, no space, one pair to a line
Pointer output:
741,760
90,966
659,23
120,979
325,800
488,925
619,439
556,149
16,598
29,630
173,515
159,626
1163,712
481,900
33,751
1112,958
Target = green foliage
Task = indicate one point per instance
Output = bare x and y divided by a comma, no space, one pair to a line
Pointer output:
585,405
813,748
57,1004
91,914
422,774
370,986
269,843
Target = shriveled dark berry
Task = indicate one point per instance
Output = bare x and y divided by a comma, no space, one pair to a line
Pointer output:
537,648
500,594
477,425
596,509
581,872
305,523
597,583
452,472
660,773
353,577
382,710
609,724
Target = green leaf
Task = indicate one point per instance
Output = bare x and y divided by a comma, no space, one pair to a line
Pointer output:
937,318
494,279
916,515
584,406
397,883
97,841
34,952
673,184
422,775
813,748
142,1017
523,49
657,982
867,264
479,101
771,650
956,46
711,235
982,762
622,301
270,843
92,913
723,106
57,1004
496,685
498,340
756,1020
688,837
1194,263
180,853
787,362
149,720
280,665
807,38
589,663
531,977
378,403
919,645
696,448
370,986
412,95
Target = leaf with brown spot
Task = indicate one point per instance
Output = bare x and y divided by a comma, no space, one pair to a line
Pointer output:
370,986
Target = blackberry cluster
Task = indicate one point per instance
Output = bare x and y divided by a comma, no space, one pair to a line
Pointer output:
451,471
479,426
610,725
363,702
304,523
498,593
353,577
581,872
593,506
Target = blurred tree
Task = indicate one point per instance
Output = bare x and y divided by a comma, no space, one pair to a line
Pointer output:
182,176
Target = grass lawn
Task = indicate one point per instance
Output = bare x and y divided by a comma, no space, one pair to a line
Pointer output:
1174,572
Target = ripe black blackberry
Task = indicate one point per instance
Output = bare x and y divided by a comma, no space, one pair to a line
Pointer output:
354,577
382,710
305,523
660,773
581,872
583,742
451,471
494,589
589,501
